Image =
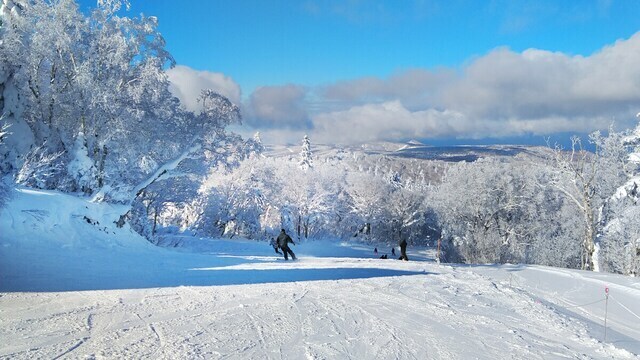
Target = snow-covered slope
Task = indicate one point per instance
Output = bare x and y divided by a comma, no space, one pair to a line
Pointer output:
75,286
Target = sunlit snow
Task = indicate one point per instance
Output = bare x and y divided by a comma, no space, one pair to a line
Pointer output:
75,286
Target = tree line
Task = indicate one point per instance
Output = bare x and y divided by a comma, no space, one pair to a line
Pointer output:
550,206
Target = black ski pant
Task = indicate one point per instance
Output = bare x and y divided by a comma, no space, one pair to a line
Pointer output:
287,252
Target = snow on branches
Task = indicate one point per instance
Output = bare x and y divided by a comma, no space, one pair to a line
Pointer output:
306,157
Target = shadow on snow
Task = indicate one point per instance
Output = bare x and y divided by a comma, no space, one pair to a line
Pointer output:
129,276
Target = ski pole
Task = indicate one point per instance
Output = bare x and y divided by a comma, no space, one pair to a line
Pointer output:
606,307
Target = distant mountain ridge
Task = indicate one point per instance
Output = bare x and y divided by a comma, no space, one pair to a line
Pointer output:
414,149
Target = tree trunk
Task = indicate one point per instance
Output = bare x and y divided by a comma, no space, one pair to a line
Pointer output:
103,158
588,244
222,226
155,221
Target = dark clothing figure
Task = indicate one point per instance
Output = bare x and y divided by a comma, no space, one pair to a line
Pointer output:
403,249
393,251
274,243
287,250
375,251
283,241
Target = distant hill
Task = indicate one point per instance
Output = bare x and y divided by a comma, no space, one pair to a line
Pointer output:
413,150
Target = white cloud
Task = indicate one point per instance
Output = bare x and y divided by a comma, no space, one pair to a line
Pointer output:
187,83
278,107
371,122
392,121
503,93
536,83
500,94
413,87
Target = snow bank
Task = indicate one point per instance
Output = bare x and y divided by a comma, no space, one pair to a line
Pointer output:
51,241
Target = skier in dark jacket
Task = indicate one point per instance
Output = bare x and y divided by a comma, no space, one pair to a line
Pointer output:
283,242
403,249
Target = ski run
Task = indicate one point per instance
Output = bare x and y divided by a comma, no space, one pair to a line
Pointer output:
74,286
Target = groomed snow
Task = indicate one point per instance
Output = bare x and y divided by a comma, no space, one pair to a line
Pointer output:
75,286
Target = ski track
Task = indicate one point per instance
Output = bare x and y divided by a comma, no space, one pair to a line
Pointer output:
407,317
363,308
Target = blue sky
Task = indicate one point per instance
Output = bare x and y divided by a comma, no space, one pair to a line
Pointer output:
261,42
310,66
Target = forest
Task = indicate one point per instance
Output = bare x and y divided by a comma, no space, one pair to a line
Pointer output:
86,109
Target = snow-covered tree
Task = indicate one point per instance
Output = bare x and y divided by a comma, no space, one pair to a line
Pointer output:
81,168
88,101
494,211
471,202
254,146
234,200
102,74
306,157
587,179
306,200
620,237
368,195
620,243
406,210
176,189
4,187
41,168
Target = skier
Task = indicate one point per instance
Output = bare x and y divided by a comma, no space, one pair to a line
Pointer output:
393,251
375,251
403,249
283,242
274,243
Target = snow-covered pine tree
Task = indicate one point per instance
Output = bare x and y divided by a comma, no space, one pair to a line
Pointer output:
257,139
254,146
306,157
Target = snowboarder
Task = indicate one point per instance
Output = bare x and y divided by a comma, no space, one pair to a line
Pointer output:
283,242
274,243
403,249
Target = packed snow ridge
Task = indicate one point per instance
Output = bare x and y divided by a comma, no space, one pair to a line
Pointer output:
73,285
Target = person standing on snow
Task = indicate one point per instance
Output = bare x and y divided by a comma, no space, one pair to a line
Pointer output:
274,243
283,242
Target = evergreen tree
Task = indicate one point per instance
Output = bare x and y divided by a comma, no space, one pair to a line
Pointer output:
254,146
305,154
